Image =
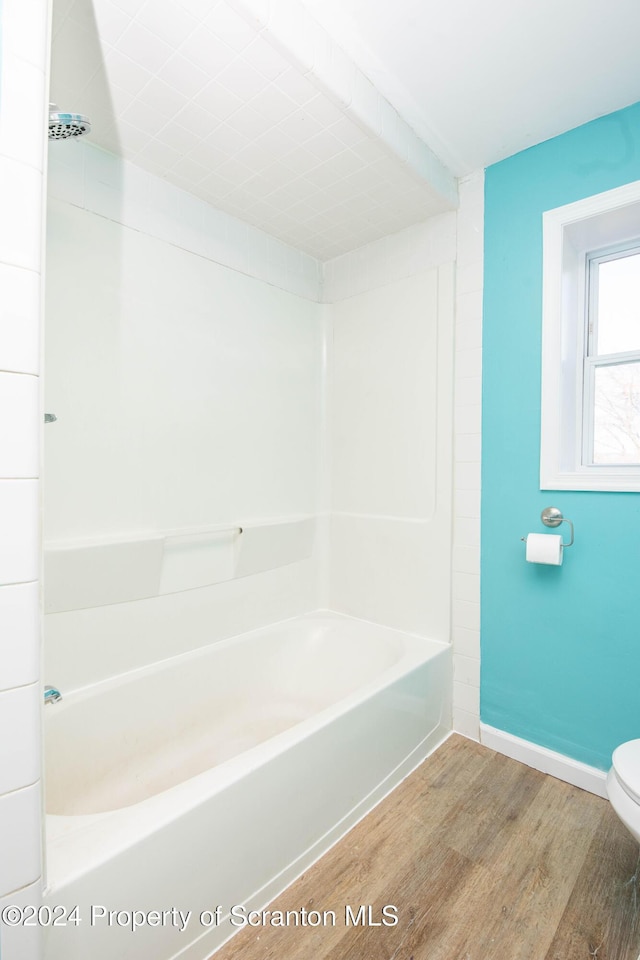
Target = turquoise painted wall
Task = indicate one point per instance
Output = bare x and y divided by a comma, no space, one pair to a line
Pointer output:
560,645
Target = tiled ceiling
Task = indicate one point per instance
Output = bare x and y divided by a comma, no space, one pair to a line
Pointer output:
196,94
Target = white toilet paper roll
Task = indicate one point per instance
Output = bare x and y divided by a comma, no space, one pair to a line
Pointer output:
544,548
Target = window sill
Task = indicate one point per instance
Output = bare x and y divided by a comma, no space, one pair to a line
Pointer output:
605,483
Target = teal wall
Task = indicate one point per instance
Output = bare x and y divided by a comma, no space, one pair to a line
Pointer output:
560,646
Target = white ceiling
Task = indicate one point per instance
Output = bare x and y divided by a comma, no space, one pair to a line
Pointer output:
482,81
202,94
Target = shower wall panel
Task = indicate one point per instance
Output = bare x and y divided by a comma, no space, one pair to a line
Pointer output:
187,396
391,427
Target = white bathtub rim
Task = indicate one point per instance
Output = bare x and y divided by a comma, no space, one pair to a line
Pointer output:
417,650
112,831
116,830
76,694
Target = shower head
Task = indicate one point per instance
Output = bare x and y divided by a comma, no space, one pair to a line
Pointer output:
64,125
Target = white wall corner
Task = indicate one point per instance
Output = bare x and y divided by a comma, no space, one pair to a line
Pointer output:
465,603
466,724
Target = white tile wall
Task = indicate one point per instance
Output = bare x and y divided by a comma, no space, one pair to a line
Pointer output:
19,319
23,99
22,131
465,603
18,942
19,522
19,448
20,192
19,635
20,752
20,820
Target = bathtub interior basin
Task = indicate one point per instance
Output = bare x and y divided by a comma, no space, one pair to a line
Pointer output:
220,775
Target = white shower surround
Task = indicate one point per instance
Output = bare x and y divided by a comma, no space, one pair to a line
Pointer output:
22,176
237,766
414,595
413,268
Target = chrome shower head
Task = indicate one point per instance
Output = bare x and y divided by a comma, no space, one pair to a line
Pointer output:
64,125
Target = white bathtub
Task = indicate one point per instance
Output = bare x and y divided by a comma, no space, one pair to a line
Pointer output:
215,778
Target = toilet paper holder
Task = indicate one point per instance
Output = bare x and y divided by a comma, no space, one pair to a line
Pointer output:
552,517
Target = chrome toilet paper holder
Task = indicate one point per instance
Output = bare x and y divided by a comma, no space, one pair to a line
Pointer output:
552,517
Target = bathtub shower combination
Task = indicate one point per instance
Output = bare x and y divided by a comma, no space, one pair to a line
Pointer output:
228,455
213,779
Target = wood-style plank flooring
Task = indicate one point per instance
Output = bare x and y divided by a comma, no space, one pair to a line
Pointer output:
484,858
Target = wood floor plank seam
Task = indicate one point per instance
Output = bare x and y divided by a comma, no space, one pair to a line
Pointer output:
484,859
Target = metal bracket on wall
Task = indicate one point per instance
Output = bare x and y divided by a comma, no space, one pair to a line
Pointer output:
552,517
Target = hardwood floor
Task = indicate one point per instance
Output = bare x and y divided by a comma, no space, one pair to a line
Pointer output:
484,859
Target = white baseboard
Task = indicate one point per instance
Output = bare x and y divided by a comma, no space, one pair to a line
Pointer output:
548,761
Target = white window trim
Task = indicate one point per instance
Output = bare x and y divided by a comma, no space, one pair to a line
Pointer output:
568,233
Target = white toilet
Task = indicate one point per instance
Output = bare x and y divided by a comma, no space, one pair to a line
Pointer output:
623,785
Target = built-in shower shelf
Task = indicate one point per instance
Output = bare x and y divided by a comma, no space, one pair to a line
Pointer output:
95,573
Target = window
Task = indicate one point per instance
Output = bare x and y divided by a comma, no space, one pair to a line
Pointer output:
590,437
611,393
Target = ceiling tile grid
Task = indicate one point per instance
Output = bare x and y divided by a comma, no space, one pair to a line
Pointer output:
194,93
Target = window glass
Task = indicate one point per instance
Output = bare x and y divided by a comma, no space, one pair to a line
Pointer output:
616,424
618,305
